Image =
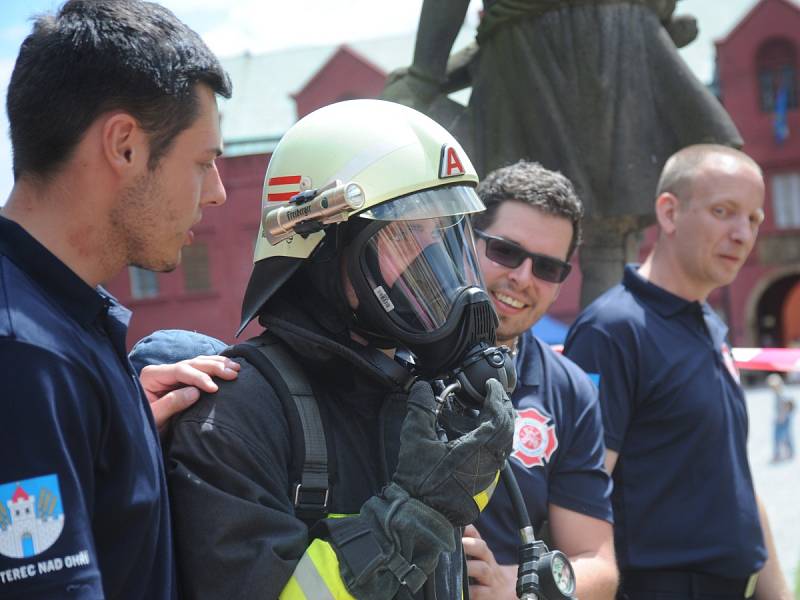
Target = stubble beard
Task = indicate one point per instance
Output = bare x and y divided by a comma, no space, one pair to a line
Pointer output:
136,223
505,334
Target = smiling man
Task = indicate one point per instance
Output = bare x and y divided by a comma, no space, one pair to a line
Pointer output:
525,238
688,522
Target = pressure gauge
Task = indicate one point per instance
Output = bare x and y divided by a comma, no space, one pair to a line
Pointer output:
556,577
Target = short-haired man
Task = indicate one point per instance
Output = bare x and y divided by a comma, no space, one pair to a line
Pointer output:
687,520
526,236
114,130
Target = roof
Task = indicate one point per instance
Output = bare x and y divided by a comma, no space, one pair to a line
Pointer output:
262,107
19,494
742,23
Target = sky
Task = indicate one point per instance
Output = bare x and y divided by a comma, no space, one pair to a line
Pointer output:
231,27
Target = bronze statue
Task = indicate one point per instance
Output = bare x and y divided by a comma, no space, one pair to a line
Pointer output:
593,88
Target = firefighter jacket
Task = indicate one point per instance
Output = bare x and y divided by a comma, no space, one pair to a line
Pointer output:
229,462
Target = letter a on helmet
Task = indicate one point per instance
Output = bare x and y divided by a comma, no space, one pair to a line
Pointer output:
450,164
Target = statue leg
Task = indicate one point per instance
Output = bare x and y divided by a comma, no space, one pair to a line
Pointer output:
608,245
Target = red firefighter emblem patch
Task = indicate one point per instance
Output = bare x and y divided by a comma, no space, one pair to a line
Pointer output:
534,438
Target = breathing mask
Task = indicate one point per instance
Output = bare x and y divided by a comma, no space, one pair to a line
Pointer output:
415,275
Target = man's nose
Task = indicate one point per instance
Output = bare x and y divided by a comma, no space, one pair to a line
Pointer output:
743,231
522,273
214,192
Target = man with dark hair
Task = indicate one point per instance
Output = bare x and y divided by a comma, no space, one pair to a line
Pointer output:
114,130
96,57
526,236
688,523
530,183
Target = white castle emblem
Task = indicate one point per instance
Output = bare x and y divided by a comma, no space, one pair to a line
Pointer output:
30,522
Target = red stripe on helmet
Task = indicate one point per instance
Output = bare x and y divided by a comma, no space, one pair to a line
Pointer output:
281,197
284,180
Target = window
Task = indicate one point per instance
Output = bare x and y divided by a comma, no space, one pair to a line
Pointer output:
786,200
776,62
195,268
144,283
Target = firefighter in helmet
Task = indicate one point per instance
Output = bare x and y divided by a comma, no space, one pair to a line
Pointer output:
323,471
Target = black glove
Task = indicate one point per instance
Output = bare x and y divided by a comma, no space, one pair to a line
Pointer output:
457,477
395,542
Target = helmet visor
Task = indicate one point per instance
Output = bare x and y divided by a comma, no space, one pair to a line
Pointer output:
417,268
435,202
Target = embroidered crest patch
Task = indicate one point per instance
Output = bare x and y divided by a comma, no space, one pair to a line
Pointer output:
534,438
31,516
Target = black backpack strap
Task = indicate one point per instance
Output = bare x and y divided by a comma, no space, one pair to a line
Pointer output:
309,488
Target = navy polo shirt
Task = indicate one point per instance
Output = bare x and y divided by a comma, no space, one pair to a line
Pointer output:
558,448
83,501
674,411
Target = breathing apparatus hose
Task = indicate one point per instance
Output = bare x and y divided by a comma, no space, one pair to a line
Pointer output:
527,567
542,575
429,589
517,503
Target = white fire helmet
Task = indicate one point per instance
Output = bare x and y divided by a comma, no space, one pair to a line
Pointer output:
376,160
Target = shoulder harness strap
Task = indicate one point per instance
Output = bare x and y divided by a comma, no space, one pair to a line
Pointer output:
269,356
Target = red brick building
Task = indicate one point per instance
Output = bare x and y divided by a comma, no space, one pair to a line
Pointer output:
757,63
757,69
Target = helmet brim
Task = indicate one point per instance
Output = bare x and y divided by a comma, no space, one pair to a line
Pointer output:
441,201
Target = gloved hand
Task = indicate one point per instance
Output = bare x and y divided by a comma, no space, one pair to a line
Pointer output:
454,477
399,536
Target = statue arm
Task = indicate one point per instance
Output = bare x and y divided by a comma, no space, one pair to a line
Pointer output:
421,83
439,24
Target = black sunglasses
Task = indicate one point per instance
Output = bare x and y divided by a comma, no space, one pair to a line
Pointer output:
511,255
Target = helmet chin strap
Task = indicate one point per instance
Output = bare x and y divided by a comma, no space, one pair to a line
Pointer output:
372,338
390,368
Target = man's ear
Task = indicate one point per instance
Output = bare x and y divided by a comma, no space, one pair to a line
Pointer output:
667,209
124,143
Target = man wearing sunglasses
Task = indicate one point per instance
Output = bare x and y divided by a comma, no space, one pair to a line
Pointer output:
525,238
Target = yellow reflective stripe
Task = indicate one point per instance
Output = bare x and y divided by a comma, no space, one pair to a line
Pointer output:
482,498
306,583
293,591
327,565
316,576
